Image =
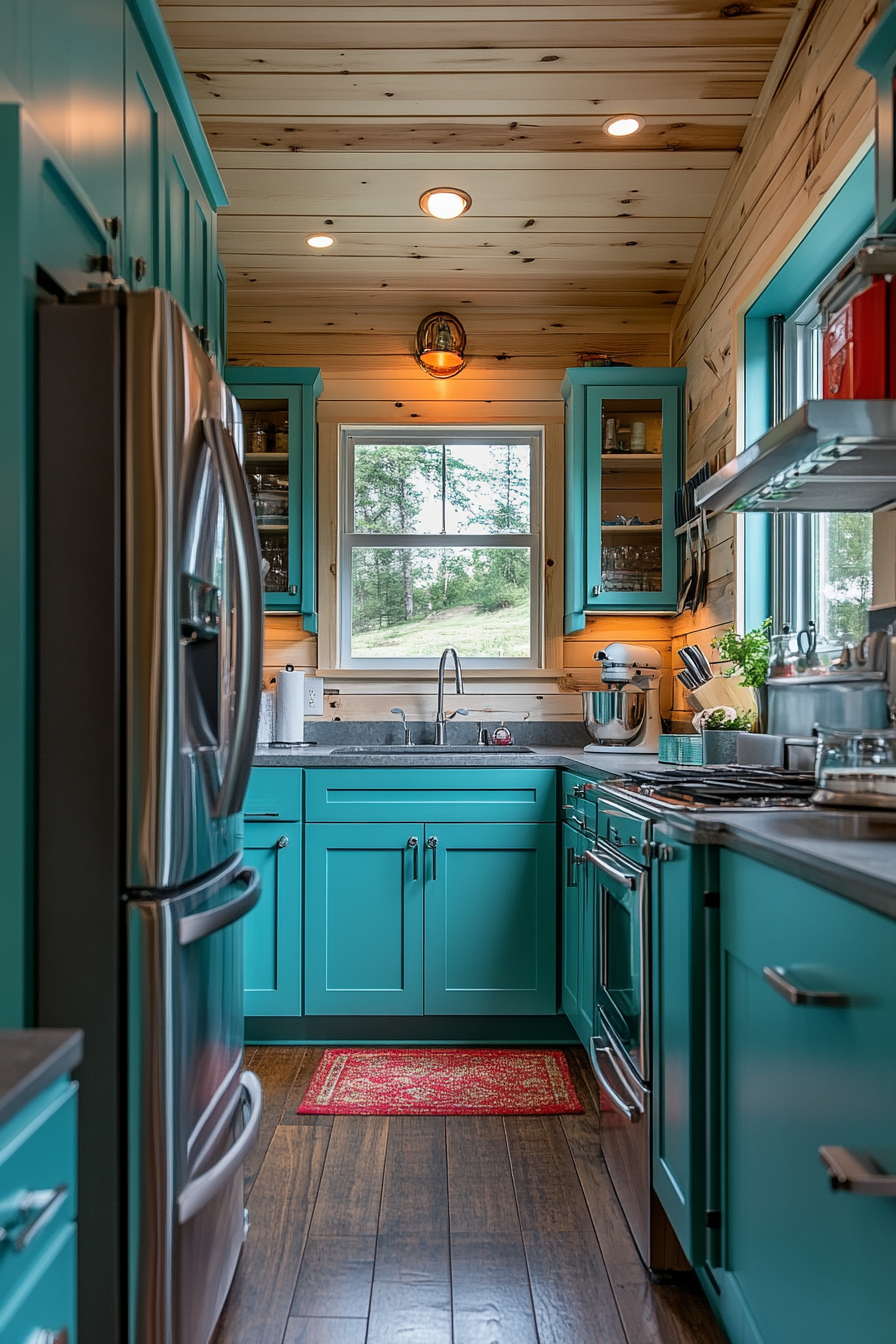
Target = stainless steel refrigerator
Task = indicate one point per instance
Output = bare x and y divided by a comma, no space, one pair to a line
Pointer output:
148,613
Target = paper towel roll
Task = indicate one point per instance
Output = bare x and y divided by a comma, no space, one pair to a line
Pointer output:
291,705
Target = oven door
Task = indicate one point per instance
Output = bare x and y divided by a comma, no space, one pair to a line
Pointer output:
623,988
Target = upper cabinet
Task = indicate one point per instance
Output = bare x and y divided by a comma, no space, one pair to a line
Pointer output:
280,435
172,187
624,436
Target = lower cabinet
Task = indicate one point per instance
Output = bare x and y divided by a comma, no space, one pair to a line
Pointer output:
680,882
441,919
272,937
578,963
796,1259
38,1205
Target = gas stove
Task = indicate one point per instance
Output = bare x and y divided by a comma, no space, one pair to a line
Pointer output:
717,788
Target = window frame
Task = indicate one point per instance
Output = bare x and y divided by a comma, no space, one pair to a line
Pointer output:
768,550
347,540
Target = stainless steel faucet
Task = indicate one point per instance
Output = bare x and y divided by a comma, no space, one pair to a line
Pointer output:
441,720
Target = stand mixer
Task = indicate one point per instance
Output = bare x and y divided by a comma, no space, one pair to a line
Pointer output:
625,717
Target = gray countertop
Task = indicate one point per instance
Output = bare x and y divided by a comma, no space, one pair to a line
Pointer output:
31,1060
595,765
860,869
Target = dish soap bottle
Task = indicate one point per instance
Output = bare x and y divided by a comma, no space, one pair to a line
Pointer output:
501,737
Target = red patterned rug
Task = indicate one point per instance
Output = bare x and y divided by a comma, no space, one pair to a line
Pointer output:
365,1081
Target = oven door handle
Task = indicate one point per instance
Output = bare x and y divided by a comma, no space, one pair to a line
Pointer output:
645,972
608,870
598,1050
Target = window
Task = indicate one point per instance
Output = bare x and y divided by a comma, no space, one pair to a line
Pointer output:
821,562
800,567
440,543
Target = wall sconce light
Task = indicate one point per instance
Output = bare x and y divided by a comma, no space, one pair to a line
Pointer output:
440,344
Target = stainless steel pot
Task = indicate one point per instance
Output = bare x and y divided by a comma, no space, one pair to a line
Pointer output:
615,717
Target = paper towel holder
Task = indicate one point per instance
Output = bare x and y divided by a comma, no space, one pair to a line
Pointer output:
280,746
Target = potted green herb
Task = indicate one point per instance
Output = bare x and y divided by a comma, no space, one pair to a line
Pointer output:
749,657
721,727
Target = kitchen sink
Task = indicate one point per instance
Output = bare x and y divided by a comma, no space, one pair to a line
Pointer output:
820,825
422,749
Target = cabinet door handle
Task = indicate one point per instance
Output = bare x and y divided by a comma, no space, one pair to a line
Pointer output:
36,1209
855,1173
432,844
795,994
415,849
571,880
52,1336
283,842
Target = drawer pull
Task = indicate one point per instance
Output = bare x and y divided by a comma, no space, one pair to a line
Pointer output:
854,1172
37,1209
795,994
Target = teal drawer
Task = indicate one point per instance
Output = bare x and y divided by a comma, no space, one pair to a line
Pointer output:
622,829
274,794
44,1304
398,794
38,1167
578,804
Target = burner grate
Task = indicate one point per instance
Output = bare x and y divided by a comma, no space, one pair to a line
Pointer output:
723,786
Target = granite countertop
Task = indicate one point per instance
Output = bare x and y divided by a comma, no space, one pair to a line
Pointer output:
860,869
31,1060
594,765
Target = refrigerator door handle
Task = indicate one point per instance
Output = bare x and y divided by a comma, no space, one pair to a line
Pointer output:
249,617
199,1191
190,928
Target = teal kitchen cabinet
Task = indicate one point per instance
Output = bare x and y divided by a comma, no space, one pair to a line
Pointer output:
468,911
408,794
489,919
579,934
364,919
272,938
624,437
797,1259
38,1205
280,432
172,189
441,877
272,932
683,897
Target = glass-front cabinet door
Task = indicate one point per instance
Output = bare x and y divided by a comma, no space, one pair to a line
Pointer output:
623,450
280,460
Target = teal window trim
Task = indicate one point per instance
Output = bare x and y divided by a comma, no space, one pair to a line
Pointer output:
848,215
155,35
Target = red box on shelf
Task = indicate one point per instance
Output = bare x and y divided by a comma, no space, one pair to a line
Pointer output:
858,352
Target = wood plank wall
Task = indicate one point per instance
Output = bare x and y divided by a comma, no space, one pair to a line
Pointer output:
813,120
400,393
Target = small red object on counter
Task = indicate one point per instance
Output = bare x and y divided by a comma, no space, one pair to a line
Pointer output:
859,355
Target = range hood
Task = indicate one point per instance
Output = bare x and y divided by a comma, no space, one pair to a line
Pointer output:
827,457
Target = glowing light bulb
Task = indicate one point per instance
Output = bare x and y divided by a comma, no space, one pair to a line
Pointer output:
319,240
624,125
445,202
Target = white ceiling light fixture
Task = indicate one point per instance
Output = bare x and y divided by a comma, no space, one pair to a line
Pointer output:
445,202
625,125
320,240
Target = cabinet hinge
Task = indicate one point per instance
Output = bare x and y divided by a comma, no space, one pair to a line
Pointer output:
714,1219
712,900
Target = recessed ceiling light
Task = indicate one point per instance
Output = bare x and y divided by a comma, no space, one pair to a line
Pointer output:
626,125
445,202
320,240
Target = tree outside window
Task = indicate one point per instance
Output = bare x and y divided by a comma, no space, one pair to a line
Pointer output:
439,547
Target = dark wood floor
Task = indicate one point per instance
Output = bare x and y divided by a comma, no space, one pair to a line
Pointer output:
432,1230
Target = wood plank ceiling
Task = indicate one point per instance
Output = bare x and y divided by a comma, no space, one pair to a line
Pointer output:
341,115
